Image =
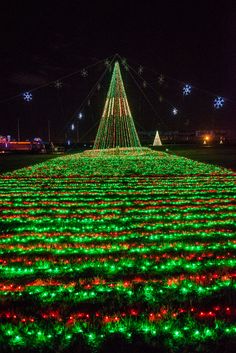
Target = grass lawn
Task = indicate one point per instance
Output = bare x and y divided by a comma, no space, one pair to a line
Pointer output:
118,253
9,162
224,156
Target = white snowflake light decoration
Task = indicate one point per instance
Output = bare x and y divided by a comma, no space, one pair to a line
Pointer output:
140,70
219,102
175,111
27,96
72,127
80,116
58,84
187,89
84,73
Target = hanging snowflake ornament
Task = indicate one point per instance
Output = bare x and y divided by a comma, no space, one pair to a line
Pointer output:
161,79
80,116
140,70
175,111
187,89
58,84
84,73
27,96
219,102
72,127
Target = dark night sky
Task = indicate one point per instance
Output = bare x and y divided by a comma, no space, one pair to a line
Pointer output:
190,41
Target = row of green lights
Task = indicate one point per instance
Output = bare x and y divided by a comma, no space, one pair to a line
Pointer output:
153,294
121,267
36,335
216,237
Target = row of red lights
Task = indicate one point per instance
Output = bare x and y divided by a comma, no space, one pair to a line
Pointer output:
217,311
200,279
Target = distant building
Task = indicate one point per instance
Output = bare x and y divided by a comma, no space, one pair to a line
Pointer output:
194,136
213,136
8,145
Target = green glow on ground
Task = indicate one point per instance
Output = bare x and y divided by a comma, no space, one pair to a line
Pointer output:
127,242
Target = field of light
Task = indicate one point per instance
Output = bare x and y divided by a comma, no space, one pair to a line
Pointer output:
130,243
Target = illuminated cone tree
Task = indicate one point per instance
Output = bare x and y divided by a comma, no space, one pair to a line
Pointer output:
116,128
157,140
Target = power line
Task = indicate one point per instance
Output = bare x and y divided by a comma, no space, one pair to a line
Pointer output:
53,81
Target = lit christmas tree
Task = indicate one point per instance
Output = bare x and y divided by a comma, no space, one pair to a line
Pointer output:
157,140
116,128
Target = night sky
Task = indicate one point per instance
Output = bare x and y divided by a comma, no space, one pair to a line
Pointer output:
188,41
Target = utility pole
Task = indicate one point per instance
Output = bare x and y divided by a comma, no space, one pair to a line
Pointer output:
49,132
18,130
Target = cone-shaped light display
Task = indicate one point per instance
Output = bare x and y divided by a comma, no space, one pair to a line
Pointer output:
116,128
157,140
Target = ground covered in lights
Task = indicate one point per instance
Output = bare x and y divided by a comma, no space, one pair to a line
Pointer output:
102,252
